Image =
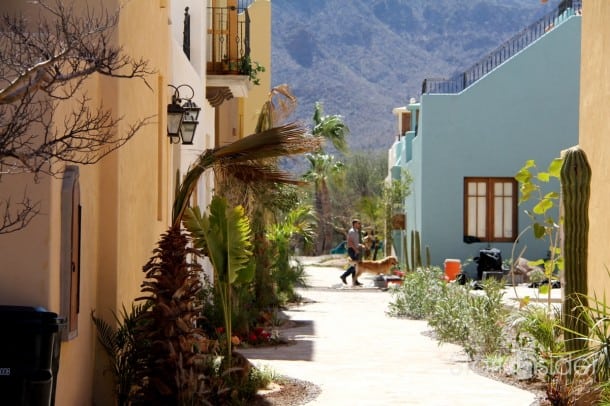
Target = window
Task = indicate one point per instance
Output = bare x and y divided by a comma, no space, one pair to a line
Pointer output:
490,209
70,250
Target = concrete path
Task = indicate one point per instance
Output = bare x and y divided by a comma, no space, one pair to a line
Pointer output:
359,356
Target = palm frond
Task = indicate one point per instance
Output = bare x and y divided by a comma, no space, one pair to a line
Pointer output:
289,139
274,113
330,127
257,172
204,162
238,245
333,129
227,233
286,140
193,222
106,335
318,113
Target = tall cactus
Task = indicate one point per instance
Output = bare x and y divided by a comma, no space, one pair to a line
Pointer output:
576,188
406,253
418,250
415,250
413,265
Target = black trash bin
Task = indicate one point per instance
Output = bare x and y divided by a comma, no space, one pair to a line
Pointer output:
29,355
489,259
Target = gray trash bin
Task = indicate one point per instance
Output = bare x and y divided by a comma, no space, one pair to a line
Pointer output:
29,355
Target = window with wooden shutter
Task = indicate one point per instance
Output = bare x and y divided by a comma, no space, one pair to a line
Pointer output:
70,251
490,209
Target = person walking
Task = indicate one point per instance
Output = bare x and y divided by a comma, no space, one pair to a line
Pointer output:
354,250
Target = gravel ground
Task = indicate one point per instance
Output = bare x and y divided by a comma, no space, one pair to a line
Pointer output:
287,392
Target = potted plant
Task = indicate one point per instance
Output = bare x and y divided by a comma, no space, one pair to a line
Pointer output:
251,69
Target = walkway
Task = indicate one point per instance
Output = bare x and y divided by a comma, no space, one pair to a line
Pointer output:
359,356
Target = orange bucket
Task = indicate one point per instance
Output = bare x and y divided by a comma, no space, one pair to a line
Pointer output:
452,269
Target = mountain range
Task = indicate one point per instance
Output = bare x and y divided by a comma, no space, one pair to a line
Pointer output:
362,58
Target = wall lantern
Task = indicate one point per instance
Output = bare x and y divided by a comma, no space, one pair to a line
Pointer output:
182,116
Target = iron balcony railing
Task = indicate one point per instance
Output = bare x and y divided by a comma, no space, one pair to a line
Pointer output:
505,51
228,38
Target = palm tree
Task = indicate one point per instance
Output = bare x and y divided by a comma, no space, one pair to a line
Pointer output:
168,327
331,128
172,274
263,204
322,165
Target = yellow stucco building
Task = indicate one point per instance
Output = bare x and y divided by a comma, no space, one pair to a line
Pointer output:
594,136
122,204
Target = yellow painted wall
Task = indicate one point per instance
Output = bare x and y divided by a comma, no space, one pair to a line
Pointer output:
594,134
133,211
124,208
260,42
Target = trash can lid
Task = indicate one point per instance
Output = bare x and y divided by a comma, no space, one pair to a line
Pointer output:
30,316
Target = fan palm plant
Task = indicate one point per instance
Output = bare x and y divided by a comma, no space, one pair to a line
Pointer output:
244,160
172,274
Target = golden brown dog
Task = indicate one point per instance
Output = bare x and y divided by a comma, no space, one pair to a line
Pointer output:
381,266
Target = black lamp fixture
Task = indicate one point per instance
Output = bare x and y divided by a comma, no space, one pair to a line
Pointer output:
182,116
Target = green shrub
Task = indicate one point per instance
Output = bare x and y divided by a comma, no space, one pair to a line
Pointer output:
594,356
474,321
416,296
488,315
537,331
288,276
449,317
262,376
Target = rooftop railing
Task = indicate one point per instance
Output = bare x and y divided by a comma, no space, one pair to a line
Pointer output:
505,51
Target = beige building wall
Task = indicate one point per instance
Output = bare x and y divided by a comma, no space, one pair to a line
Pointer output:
260,32
594,134
124,202
236,117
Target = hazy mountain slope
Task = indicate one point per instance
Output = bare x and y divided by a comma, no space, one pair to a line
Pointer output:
362,58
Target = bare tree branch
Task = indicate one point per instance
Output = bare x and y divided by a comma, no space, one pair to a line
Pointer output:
14,219
46,62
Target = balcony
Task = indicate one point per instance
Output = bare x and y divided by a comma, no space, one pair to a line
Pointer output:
228,50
